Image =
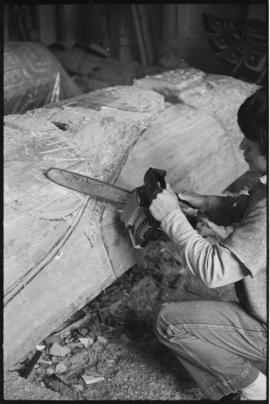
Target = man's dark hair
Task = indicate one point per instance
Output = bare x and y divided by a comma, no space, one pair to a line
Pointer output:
252,119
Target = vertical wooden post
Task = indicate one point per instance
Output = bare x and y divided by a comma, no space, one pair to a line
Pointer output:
47,23
124,51
6,31
116,16
142,13
169,39
69,21
139,35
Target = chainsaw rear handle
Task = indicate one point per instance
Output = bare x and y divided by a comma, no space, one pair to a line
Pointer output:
154,182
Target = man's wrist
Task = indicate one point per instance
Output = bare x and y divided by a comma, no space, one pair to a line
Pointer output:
207,203
169,216
176,225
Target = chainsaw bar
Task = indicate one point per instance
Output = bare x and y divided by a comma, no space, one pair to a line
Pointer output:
87,185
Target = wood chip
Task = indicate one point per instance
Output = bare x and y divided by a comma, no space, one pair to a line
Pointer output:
58,350
50,371
45,362
88,379
60,368
78,387
102,340
74,345
51,339
84,331
87,342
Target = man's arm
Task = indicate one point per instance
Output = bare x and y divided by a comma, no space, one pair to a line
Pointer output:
214,265
222,210
226,210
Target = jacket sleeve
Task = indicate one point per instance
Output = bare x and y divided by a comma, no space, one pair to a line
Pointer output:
214,265
226,210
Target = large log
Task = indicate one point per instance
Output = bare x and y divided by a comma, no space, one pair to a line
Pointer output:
195,150
207,157
63,248
55,257
33,77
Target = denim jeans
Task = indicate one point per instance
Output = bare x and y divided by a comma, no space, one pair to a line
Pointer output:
217,342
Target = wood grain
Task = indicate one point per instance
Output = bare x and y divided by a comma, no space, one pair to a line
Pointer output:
55,256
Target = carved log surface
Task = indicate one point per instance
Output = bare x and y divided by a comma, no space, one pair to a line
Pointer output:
55,258
194,149
62,248
217,95
178,80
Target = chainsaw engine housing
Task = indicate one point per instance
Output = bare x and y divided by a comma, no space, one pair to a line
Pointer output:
139,222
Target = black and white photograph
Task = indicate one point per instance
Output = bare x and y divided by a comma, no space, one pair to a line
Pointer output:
135,203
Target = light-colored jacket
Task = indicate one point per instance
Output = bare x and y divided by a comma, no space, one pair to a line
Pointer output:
241,258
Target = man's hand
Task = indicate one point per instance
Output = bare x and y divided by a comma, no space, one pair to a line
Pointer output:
164,203
197,201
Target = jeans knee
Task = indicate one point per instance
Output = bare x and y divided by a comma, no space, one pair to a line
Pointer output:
172,319
163,314
161,321
165,321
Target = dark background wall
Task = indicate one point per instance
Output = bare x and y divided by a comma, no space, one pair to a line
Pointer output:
173,29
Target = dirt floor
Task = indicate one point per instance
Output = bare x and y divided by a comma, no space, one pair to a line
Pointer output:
109,351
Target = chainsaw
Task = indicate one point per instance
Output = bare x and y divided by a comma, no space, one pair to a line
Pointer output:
139,222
